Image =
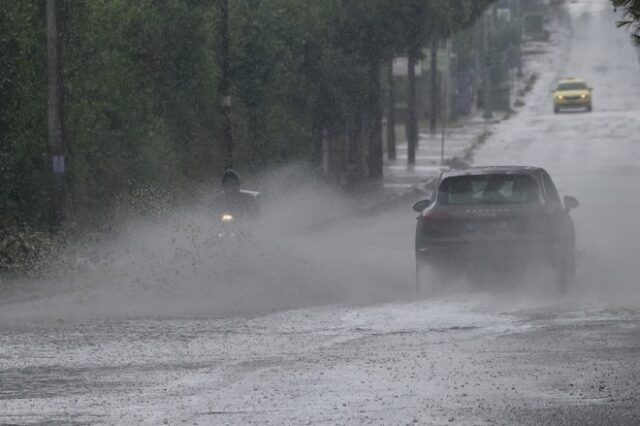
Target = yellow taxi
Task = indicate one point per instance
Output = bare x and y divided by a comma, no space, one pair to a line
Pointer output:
572,93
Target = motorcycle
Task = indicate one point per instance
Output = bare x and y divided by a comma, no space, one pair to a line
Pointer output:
228,228
235,226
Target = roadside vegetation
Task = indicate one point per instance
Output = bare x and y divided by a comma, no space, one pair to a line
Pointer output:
140,99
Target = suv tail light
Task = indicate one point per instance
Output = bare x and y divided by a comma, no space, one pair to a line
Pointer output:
435,222
435,217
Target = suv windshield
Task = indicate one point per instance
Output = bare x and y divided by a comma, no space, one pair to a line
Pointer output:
572,86
488,189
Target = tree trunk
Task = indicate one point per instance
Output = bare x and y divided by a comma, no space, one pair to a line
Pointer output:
412,121
435,104
225,88
258,149
56,132
375,121
317,149
338,143
391,113
354,149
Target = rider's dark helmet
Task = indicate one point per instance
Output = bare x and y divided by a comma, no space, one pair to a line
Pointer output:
230,181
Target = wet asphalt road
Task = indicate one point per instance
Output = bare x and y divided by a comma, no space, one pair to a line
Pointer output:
455,361
472,357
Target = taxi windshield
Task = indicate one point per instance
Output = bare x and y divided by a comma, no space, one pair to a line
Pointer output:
574,85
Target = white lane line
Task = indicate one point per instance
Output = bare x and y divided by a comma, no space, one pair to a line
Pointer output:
417,168
398,185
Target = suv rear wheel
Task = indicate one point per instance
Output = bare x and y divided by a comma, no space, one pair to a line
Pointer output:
429,279
565,273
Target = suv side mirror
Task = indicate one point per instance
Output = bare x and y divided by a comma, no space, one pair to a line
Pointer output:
421,205
570,203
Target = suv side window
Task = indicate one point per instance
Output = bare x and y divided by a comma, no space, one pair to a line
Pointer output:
550,189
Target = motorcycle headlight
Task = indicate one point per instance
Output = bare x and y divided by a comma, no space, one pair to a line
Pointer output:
227,218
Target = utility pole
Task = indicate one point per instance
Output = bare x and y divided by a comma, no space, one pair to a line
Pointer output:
55,128
433,73
442,140
445,98
488,113
225,87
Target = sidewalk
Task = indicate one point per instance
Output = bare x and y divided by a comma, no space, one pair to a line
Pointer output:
458,143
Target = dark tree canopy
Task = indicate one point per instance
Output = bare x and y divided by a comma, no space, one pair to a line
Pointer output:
631,16
141,101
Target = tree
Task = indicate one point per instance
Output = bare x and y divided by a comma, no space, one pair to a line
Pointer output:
415,16
448,17
143,86
347,45
141,104
426,22
368,32
631,16
24,164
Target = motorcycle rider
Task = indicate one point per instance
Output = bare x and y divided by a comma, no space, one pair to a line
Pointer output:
233,201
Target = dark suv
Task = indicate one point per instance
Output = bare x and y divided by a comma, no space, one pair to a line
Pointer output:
501,218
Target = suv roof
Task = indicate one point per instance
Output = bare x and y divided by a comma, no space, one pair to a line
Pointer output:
491,170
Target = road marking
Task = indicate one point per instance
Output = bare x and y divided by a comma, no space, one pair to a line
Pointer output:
433,158
417,168
398,185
